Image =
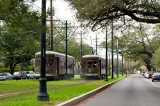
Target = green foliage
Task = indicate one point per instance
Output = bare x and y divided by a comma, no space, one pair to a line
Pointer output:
20,33
26,91
138,45
4,69
96,12
156,58
59,40
27,68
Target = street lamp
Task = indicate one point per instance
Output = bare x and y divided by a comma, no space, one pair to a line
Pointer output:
43,95
106,76
122,62
66,51
109,65
112,53
117,58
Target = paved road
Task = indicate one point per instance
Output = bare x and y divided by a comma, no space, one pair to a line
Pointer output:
132,91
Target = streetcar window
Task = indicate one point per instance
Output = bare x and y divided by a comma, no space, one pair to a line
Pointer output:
61,64
71,65
95,65
89,65
84,65
50,62
89,62
68,65
103,66
64,64
37,62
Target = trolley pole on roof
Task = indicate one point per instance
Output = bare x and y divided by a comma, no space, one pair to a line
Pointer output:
106,76
66,48
112,52
43,95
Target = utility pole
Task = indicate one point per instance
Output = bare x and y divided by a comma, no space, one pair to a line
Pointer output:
115,68
106,76
66,48
96,43
109,65
112,52
126,66
122,62
117,59
51,10
43,95
81,44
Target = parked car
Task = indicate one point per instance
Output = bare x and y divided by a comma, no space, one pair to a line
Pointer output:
148,74
30,75
2,78
20,75
143,73
5,76
155,76
8,76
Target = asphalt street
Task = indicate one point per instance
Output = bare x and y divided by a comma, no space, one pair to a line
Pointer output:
131,91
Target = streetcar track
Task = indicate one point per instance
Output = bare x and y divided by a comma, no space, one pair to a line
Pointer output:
33,89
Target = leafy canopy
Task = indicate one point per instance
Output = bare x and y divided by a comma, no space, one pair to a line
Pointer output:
97,11
20,33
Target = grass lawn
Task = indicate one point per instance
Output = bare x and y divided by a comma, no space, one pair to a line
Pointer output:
24,92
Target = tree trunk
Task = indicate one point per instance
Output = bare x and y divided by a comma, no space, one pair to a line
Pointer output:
12,67
149,67
148,63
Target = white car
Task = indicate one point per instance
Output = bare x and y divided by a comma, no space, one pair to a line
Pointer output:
148,74
30,75
20,75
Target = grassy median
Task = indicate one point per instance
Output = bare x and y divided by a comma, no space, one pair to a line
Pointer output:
24,92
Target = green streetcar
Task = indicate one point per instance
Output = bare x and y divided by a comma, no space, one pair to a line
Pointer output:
55,66
93,66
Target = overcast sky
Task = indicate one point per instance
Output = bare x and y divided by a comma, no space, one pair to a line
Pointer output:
64,12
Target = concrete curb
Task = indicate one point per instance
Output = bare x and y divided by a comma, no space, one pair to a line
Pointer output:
82,97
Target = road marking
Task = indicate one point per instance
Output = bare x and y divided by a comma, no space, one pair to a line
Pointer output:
153,83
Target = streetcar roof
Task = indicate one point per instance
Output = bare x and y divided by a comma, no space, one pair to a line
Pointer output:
93,56
54,53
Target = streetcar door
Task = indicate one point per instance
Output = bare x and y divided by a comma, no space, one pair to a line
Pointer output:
57,68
